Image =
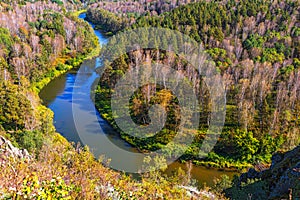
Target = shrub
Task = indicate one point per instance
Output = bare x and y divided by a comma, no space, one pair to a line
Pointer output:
30,140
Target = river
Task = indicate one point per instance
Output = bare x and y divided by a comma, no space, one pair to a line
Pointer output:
58,96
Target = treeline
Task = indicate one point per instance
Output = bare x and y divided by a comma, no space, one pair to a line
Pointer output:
113,16
256,48
106,20
138,7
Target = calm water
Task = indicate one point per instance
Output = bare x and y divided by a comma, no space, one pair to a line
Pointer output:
68,96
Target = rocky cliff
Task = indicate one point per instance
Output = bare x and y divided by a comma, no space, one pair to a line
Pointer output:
280,181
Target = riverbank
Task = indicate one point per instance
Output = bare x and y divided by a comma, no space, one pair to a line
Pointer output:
107,22
59,97
102,103
258,67
65,63
61,66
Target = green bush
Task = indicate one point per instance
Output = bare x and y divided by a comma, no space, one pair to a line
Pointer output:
30,140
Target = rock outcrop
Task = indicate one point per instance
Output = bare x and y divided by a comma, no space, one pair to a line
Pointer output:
280,181
9,150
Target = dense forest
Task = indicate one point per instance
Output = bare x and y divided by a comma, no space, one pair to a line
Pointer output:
37,44
39,41
256,49
113,16
138,7
255,46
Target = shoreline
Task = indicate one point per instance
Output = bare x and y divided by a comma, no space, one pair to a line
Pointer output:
38,86
55,73
235,167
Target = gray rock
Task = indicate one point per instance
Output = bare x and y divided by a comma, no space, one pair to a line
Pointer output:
9,150
252,173
280,181
276,158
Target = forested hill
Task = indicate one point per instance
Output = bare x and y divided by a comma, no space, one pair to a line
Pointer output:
256,48
38,41
34,36
138,7
113,16
237,27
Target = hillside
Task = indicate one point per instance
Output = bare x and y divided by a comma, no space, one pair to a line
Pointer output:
39,41
255,47
113,16
64,172
280,181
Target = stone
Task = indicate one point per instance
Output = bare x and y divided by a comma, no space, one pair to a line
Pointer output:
9,150
276,158
281,180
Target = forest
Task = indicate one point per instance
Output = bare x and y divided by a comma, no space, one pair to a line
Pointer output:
40,41
115,16
256,50
255,46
